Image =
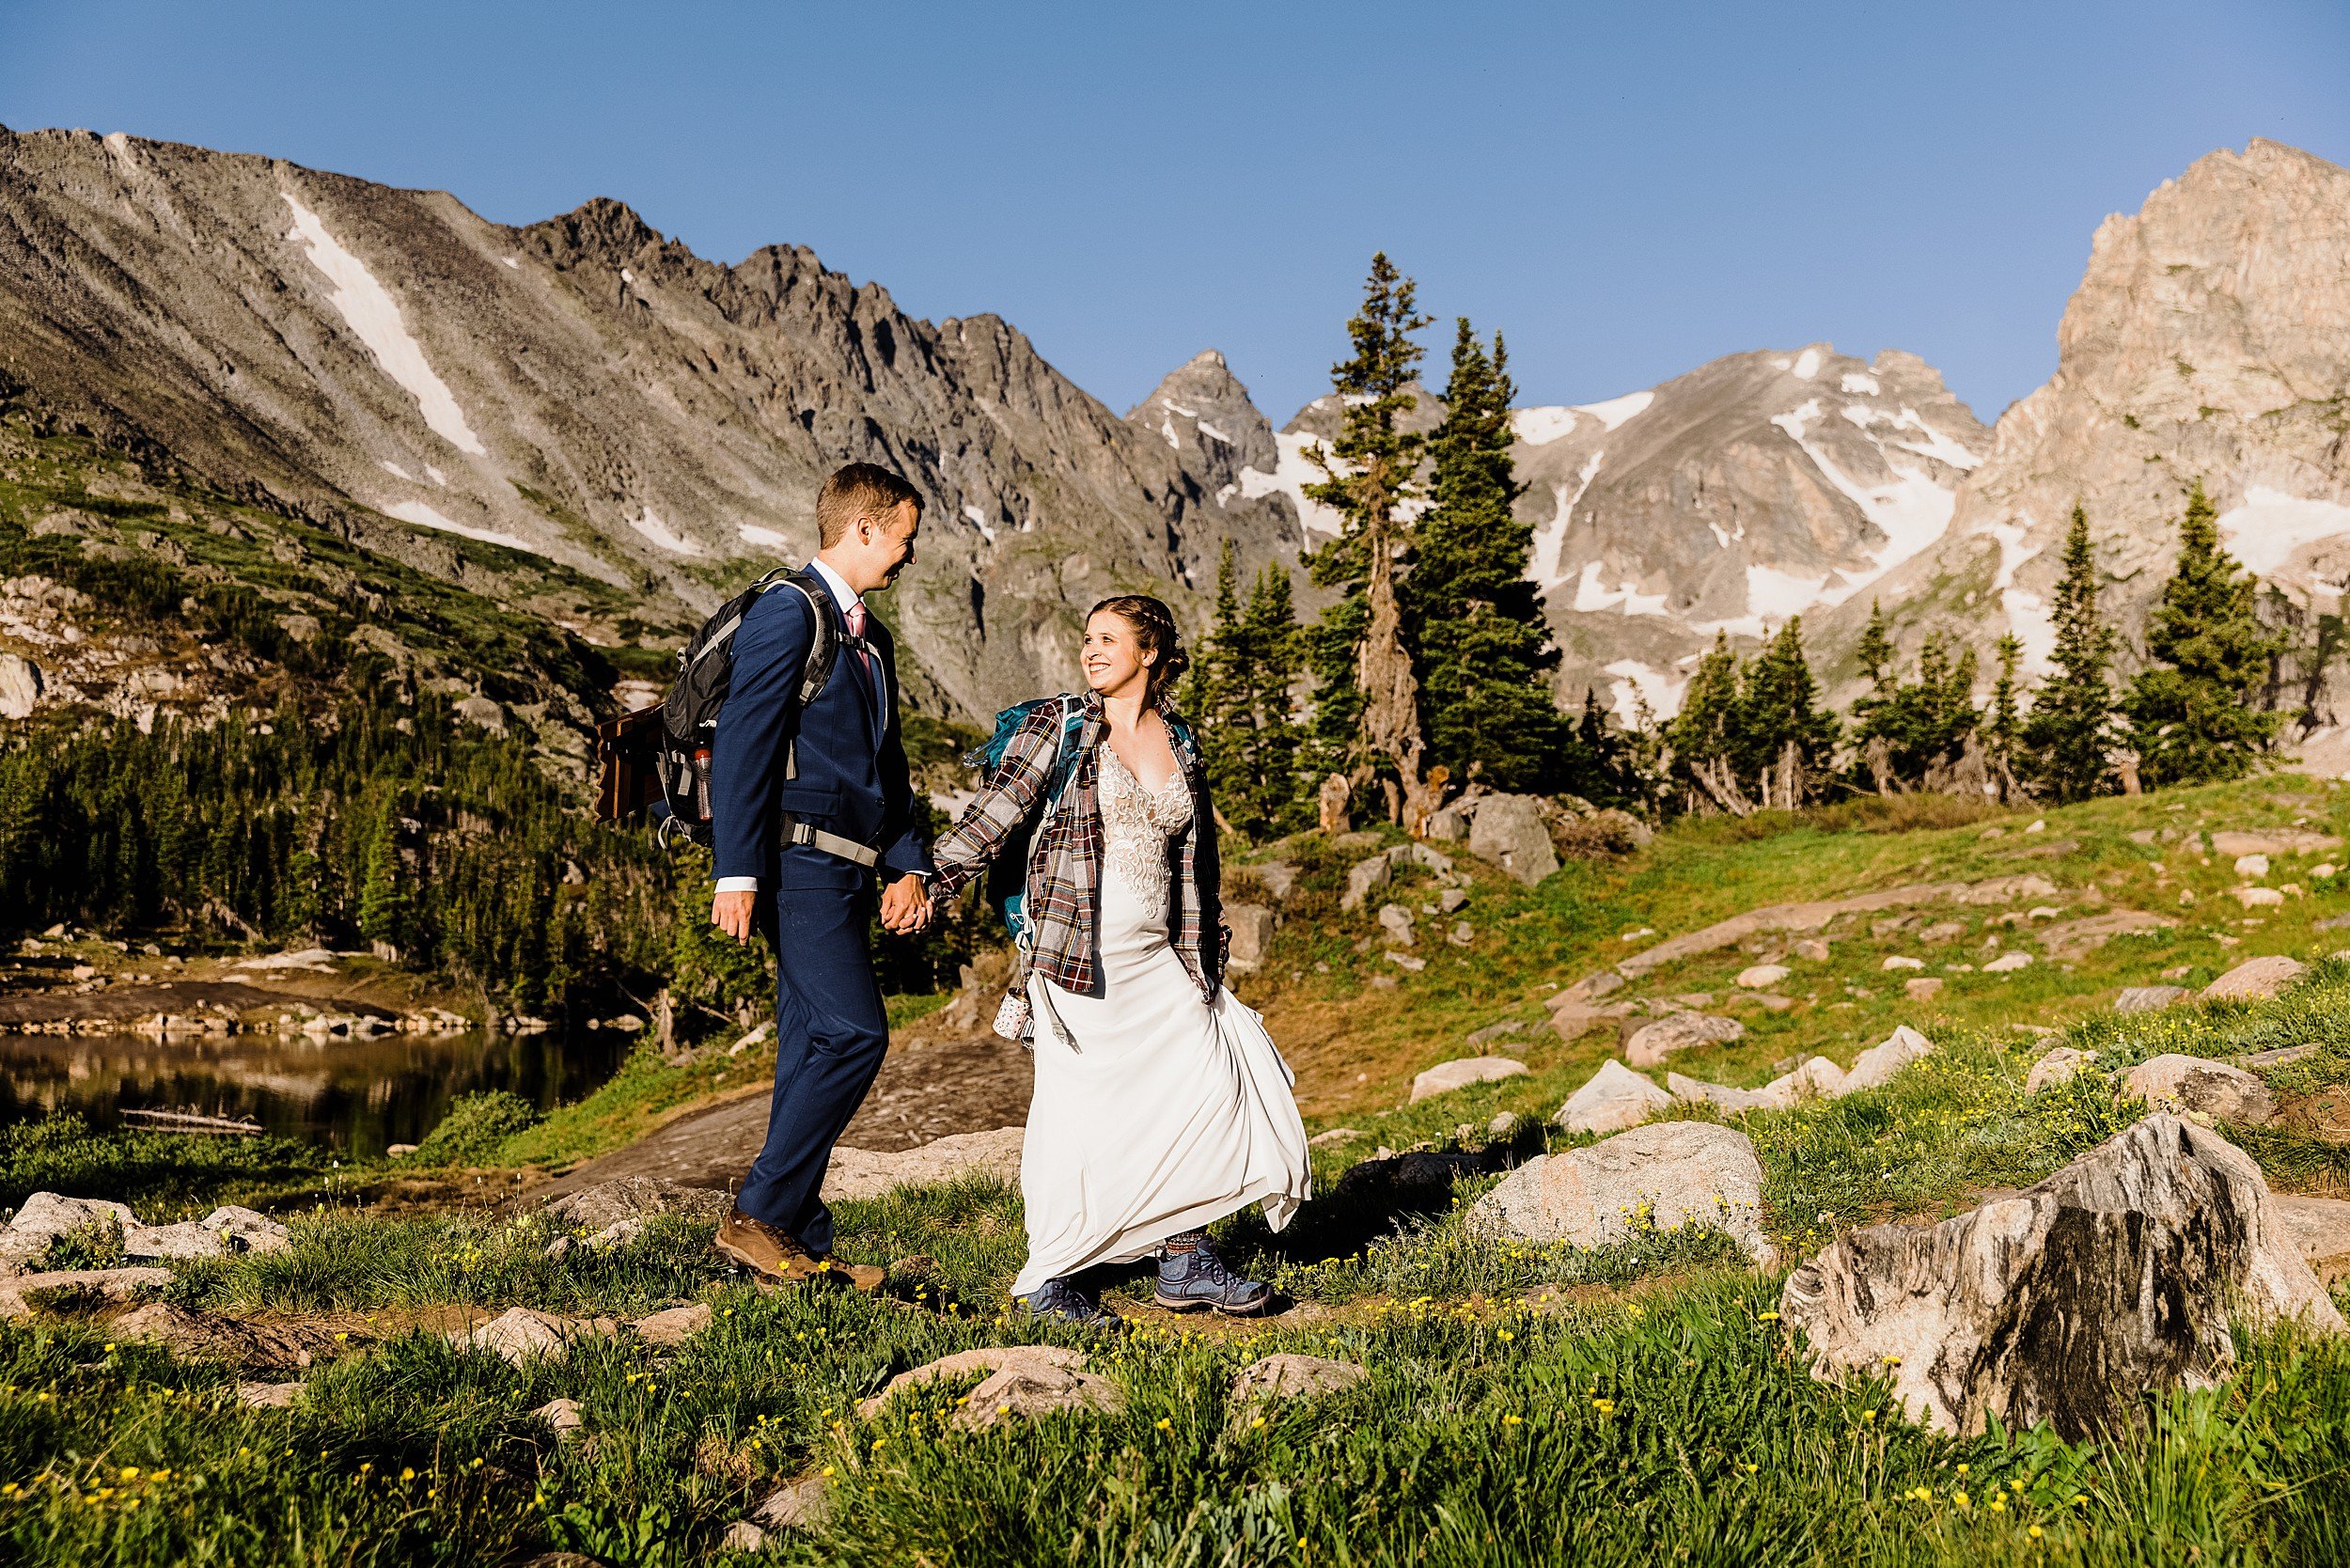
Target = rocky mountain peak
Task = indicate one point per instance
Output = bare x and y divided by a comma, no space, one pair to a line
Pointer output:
2209,339
1203,413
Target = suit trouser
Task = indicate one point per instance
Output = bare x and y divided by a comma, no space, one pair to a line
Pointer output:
831,1033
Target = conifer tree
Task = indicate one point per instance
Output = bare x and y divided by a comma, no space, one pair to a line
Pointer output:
1366,721
1607,770
2065,738
382,902
1703,734
1472,619
1240,697
2002,727
1907,728
2192,710
1213,696
1781,732
1875,654
1272,650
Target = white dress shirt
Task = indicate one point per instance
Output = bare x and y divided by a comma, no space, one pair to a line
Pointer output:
846,597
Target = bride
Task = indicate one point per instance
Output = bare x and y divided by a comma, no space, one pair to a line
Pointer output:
1161,1102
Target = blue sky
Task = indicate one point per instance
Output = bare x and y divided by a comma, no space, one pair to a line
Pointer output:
1626,191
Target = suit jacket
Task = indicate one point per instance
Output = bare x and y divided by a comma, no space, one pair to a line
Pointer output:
853,777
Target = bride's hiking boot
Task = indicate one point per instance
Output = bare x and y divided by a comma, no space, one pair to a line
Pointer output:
760,1247
1192,1279
1063,1300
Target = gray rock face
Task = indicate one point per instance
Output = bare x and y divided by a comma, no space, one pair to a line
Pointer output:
1460,1074
2320,1228
1024,1381
1508,831
21,686
1614,1098
1207,419
802,1504
1365,878
2255,980
2058,1066
607,1204
1875,1067
673,1325
1673,1172
2200,1087
1288,1375
1252,933
1651,1043
401,367
18,1294
2071,1300
863,1173
45,1216
1754,486
519,1336
2209,333
2149,999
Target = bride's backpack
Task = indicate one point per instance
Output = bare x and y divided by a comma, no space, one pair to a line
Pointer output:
1008,877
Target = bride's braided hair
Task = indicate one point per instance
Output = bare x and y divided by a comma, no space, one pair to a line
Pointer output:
1153,625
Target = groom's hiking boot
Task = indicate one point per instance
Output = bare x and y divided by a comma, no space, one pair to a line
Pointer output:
760,1246
1192,1277
1064,1300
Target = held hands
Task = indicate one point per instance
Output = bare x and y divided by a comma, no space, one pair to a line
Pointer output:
906,905
905,908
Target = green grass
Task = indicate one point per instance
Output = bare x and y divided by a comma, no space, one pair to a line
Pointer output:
1682,1423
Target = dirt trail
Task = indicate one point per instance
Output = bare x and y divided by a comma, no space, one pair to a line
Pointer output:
926,1090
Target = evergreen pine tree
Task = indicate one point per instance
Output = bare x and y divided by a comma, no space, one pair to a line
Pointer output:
2064,740
1471,617
1909,728
383,900
2003,724
1366,721
1271,652
2191,708
1875,654
1701,736
1214,695
1778,730
1607,763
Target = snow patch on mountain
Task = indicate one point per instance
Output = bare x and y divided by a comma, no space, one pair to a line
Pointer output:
2269,525
979,520
373,317
1590,595
1631,679
1540,427
1615,411
1290,475
425,517
767,539
651,525
1546,562
1806,365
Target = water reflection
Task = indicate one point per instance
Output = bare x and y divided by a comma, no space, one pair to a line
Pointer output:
357,1095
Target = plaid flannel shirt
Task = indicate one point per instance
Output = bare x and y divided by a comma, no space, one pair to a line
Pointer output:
1064,887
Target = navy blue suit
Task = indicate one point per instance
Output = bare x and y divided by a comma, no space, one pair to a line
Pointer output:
831,1031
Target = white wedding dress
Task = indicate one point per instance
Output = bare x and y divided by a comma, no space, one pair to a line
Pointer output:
1155,1112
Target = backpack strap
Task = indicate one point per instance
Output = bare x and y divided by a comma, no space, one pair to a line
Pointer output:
824,650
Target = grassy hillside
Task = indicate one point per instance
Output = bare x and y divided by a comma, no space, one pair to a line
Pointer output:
1525,1404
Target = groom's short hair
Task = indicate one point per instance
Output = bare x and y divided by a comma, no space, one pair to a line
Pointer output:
860,490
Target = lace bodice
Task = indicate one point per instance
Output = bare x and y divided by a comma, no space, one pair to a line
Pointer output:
1137,823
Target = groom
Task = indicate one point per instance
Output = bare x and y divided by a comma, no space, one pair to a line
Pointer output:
851,788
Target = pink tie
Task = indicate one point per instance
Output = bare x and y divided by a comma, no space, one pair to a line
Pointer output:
864,656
